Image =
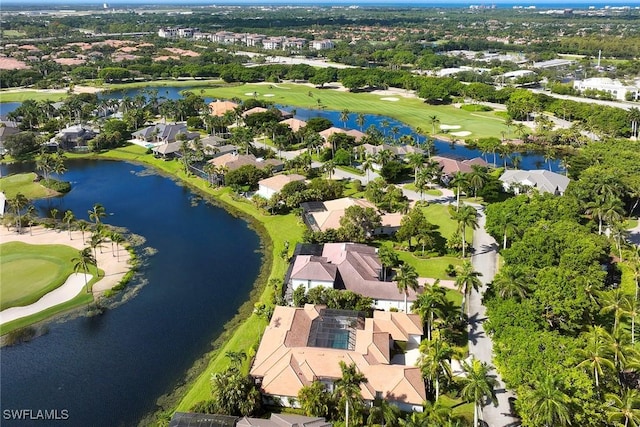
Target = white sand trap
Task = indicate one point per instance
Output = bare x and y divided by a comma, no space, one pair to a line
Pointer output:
461,133
251,93
66,292
268,95
389,98
449,127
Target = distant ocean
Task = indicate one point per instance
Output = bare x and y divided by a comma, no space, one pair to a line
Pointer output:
539,4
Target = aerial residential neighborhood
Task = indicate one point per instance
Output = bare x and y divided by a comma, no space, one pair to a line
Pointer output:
320,215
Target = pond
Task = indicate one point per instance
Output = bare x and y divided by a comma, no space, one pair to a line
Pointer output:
108,370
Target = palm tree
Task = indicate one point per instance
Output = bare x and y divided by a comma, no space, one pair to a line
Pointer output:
314,399
477,178
509,226
82,262
384,156
329,167
406,279
54,216
97,213
459,180
117,239
360,120
429,304
388,259
96,242
384,412
344,117
347,389
435,362
510,282
624,410
616,302
466,216
550,403
83,226
69,217
434,121
478,386
395,131
416,160
384,124
466,280
595,356
18,203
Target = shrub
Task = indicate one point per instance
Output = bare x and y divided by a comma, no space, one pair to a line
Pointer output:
475,107
55,185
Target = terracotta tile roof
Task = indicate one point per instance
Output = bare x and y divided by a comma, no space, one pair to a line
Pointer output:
276,182
294,124
254,110
219,107
285,364
233,161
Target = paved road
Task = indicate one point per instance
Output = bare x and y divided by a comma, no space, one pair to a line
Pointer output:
480,345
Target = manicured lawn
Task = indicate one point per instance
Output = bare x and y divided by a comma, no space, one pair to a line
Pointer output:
25,94
412,111
161,83
27,272
23,183
430,267
459,407
431,191
438,215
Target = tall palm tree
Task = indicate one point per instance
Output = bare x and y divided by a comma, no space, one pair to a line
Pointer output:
83,226
416,160
97,213
478,386
466,280
550,403
459,180
344,117
429,304
96,242
477,178
82,262
18,203
435,362
54,216
509,226
384,124
434,121
329,167
360,121
69,217
511,282
624,410
466,216
596,354
117,239
616,302
347,389
406,279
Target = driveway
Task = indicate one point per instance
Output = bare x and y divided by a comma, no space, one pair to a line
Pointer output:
480,345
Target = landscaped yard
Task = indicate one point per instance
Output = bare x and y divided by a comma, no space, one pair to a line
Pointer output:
438,215
23,183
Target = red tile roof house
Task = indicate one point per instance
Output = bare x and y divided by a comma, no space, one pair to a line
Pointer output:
350,266
301,345
451,166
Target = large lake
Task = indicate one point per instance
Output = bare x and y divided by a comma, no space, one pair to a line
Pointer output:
108,370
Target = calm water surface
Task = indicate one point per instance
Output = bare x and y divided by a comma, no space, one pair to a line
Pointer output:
108,370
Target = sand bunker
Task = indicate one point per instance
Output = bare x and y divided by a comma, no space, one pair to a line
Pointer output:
448,127
461,133
268,95
389,98
251,93
72,287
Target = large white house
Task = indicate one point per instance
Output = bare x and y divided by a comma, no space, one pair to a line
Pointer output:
616,88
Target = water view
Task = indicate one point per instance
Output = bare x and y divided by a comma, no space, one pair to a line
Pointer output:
108,370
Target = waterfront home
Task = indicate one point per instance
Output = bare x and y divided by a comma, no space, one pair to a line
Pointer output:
294,124
523,181
302,345
220,108
161,133
449,167
347,266
73,137
233,160
191,419
269,186
5,132
322,216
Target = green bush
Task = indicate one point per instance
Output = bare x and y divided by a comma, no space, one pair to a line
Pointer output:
55,185
475,107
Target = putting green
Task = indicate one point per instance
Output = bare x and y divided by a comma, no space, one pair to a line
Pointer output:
27,272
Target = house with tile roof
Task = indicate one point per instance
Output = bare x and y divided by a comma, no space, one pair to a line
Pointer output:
450,167
347,266
294,124
521,181
220,107
283,420
162,133
322,216
233,160
302,345
269,186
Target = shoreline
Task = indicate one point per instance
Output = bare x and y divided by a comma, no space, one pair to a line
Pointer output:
240,327
62,301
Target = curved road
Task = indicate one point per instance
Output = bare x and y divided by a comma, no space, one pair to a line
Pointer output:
480,345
